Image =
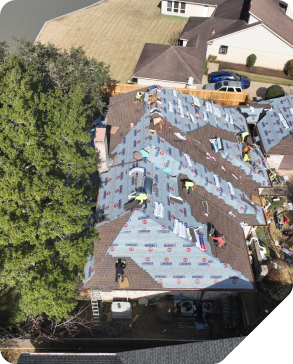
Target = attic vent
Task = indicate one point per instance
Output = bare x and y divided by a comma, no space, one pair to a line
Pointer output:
205,208
208,106
231,188
179,229
196,101
217,181
284,121
191,118
159,209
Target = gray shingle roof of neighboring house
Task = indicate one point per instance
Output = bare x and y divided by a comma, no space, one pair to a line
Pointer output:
231,9
276,127
170,63
273,17
237,26
207,352
180,150
40,358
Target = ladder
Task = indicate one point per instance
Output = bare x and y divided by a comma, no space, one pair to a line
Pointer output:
95,298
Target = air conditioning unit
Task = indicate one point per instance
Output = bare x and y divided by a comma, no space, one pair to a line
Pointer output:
121,310
187,308
207,307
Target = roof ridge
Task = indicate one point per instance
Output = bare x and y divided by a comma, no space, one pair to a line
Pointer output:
184,61
154,58
195,27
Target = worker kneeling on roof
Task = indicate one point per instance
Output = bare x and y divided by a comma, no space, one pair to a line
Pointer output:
244,136
120,265
218,240
142,197
189,185
139,95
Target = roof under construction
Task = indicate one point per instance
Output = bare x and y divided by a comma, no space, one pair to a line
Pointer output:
158,242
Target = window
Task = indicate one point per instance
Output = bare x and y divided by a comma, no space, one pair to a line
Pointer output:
218,85
223,89
223,49
231,89
182,10
176,7
238,89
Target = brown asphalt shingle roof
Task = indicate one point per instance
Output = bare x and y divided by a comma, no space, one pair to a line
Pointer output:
231,9
169,63
235,252
273,17
121,112
284,147
104,277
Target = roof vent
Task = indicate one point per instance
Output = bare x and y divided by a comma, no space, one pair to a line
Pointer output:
214,31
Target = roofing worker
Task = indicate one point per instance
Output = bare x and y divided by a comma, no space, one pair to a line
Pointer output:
244,136
218,241
138,96
246,149
142,197
189,185
120,265
247,158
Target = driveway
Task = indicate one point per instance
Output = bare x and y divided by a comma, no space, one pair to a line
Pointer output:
259,89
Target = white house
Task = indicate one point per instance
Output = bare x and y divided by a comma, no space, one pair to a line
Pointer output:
189,8
264,28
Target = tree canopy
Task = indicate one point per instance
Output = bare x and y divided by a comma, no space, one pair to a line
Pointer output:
47,103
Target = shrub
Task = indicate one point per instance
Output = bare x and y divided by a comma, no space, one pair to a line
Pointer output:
251,60
206,67
274,91
290,67
212,58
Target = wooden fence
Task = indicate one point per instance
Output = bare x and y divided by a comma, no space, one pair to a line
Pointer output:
218,97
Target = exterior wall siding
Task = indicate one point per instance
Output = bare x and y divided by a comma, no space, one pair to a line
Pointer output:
256,39
147,82
239,55
289,12
190,10
275,160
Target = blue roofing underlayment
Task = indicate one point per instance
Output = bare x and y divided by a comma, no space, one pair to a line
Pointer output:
176,109
277,123
161,228
233,153
173,261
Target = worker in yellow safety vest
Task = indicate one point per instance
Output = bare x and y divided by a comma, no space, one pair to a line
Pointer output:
142,197
244,136
138,96
246,158
189,185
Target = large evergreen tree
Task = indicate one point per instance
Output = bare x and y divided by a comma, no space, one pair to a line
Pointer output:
47,103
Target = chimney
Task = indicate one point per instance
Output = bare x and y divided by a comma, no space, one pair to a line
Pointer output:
214,31
101,147
289,11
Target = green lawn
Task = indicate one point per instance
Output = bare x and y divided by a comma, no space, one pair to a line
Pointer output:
266,79
114,31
